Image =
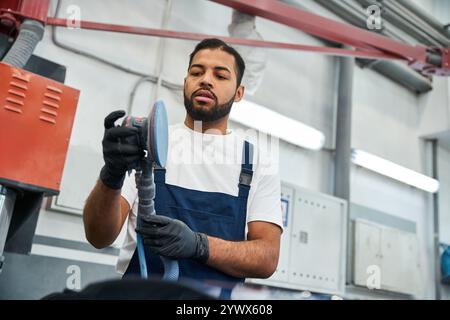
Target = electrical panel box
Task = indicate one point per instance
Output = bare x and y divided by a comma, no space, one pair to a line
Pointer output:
282,272
386,258
313,243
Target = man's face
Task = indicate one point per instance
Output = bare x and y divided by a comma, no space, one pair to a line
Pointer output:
210,85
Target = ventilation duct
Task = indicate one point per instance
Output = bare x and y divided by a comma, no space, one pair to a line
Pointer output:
243,26
399,72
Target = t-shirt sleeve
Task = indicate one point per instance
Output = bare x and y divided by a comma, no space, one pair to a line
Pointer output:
129,191
265,199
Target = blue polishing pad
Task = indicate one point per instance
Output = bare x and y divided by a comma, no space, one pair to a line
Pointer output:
158,133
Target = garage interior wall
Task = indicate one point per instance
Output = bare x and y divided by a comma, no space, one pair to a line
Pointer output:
441,9
388,120
444,203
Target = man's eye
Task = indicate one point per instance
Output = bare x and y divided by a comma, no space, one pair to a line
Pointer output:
221,77
195,74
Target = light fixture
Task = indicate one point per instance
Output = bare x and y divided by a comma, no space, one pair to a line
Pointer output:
394,171
272,123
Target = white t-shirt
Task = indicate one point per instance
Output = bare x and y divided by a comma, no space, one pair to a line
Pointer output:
210,163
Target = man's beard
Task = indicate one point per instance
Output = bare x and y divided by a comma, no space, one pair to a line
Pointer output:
216,112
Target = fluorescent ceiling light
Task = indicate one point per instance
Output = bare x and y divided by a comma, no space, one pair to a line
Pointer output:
272,123
394,171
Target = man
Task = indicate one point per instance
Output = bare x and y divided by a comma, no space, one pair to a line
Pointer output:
220,219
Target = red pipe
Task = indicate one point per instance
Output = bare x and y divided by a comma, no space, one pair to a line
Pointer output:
341,32
325,28
369,54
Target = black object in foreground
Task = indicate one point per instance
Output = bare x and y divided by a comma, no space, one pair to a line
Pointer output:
132,289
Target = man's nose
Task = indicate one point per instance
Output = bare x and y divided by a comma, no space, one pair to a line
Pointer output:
206,80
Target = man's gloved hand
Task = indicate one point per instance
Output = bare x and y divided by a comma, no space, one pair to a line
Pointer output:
119,154
172,238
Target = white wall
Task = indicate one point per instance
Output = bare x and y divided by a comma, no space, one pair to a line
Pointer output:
387,119
444,203
386,122
441,11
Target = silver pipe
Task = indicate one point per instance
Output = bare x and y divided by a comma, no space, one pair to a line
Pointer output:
417,23
398,72
401,74
342,156
433,22
398,17
436,242
31,32
343,129
355,8
435,59
408,21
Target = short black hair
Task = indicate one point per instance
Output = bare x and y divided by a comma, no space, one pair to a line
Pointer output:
213,43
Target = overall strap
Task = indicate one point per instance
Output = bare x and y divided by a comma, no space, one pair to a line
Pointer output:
160,174
161,194
245,178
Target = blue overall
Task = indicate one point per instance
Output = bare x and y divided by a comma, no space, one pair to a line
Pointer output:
215,214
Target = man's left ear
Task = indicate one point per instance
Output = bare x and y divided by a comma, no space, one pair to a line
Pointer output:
239,94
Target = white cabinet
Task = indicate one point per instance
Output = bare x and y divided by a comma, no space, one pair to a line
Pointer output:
287,197
367,253
393,252
316,250
313,250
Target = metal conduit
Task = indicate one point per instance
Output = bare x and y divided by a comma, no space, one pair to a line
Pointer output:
352,12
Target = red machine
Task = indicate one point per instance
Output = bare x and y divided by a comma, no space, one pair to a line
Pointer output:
36,119
36,115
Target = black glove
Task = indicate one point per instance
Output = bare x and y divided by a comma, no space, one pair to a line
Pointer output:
120,154
172,238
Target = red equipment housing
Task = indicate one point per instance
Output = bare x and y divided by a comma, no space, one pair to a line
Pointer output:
36,119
